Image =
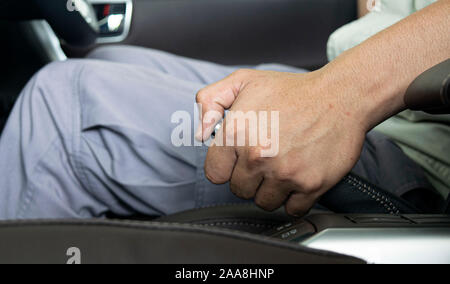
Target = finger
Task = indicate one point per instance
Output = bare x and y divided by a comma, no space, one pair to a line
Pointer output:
215,99
219,164
245,181
207,124
271,195
299,204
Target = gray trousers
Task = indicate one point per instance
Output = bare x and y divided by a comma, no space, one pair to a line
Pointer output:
92,136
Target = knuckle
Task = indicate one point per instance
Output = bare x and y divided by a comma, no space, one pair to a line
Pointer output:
201,95
241,73
287,169
285,174
311,182
254,158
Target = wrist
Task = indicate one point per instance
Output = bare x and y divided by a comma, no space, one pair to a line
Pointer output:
368,96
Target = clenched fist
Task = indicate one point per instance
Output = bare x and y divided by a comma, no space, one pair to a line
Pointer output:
320,134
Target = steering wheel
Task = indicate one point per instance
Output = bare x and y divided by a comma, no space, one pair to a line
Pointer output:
74,21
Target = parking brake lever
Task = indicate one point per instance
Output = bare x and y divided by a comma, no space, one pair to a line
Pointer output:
430,92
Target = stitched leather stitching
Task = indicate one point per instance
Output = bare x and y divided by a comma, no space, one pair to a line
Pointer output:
378,197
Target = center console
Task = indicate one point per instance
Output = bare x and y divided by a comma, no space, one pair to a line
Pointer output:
375,238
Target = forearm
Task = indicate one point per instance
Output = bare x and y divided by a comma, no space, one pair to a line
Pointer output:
376,74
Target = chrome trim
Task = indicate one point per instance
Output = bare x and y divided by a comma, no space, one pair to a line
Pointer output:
387,245
127,24
48,39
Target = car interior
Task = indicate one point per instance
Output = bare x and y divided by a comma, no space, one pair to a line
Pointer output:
354,223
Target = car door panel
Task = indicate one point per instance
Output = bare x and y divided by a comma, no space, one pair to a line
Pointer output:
239,32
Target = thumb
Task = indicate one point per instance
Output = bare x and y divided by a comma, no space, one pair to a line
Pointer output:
214,99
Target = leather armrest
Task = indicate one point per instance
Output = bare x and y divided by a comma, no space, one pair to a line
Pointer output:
101,241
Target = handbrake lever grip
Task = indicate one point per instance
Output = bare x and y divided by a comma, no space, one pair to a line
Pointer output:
430,92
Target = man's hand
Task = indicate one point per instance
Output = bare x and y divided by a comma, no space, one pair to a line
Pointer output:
324,115
320,137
